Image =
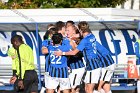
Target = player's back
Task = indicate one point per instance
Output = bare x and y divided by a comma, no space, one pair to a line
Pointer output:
90,46
58,64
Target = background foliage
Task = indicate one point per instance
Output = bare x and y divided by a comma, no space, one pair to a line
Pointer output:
20,4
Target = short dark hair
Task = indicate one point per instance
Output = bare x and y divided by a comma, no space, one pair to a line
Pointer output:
57,38
52,30
17,38
59,25
70,21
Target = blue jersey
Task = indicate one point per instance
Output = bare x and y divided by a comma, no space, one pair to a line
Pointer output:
66,41
75,62
137,49
137,52
46,44
104,55
88,46
58,64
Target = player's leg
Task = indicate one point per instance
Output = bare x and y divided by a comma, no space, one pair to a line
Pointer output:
101,82
52,84
138,69
65,85
46,76
107,87
75,79
105,78
91,78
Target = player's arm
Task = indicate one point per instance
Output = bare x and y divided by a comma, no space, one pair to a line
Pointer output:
73,52
80,47
44,48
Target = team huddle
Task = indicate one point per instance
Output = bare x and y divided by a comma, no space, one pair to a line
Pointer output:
73,55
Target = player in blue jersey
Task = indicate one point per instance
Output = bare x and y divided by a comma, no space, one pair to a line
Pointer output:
75,62
88,46
61,27
137,52
107,64
58,69
44,49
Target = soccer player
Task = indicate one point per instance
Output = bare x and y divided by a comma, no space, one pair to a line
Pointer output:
88,46
44,49
107,64
75,62
58,69
61,27
137,52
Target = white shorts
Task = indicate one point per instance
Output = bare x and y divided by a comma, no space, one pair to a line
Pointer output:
53,82
76,76
107,72
46,76
92,76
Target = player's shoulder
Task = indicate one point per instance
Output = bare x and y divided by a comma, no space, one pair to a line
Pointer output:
45,41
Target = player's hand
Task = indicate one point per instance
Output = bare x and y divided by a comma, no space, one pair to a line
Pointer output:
13,79
58,53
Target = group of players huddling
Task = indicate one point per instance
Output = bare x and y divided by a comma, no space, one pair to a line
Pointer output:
73,55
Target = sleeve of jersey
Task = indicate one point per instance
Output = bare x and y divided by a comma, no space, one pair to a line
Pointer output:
11,52
45,43
81,45
137,49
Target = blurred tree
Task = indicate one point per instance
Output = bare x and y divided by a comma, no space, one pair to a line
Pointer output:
61,3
